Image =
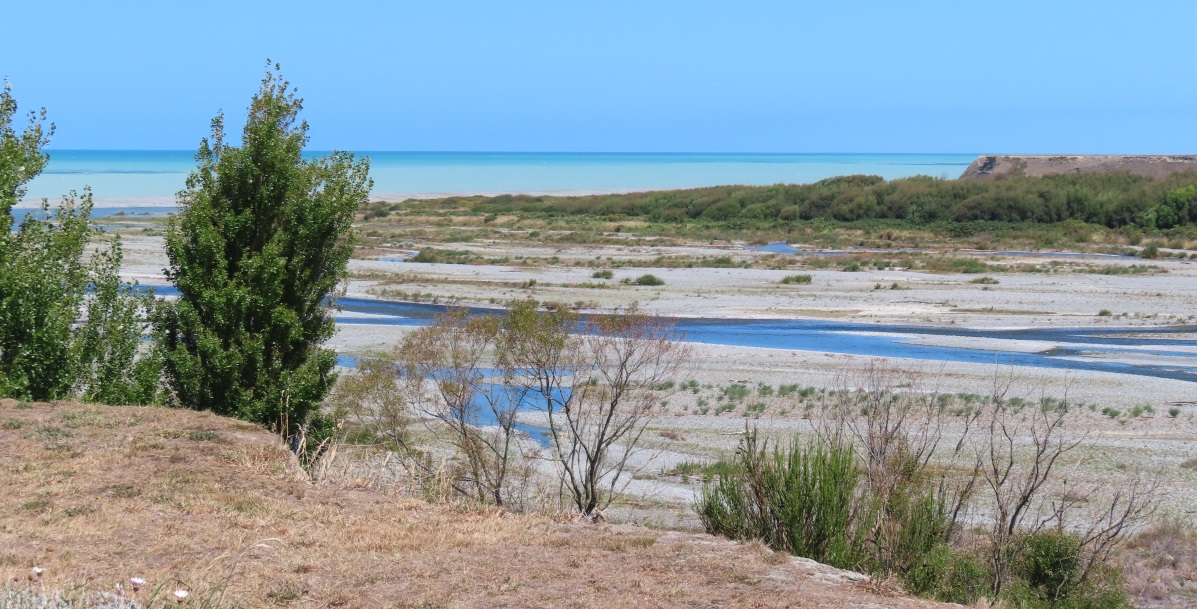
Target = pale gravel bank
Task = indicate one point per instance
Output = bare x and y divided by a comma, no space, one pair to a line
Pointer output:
1018,300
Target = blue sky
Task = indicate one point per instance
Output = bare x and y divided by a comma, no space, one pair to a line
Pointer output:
845,76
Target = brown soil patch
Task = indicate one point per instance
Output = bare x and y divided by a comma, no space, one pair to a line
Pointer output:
98,494
1151,166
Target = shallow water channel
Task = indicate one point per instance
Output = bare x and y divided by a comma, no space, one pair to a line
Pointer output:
886,340
891,341
878,340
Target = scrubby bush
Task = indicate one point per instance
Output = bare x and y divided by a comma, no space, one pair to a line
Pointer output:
798,500
808,500
649,280
869,478
261,241
1050,570
966,207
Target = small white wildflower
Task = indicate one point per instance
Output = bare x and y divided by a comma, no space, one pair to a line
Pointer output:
137,583
181,595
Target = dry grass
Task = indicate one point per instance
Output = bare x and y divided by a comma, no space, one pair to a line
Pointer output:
1160,566
95,495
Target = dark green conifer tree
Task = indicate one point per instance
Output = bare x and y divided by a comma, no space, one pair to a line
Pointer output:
260,245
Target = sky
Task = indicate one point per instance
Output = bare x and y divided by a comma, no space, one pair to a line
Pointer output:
1057,76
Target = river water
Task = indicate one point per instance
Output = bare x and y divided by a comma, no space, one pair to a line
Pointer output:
890,341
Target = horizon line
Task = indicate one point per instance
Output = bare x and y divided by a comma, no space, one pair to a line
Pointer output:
737,152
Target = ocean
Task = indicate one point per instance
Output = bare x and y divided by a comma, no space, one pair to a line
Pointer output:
158,174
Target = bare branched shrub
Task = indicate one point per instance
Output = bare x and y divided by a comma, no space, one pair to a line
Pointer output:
467,377
443,371
1020,446
597,383
1019,449
374,401
1126,512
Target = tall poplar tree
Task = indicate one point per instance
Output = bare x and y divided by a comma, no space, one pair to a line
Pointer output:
259,248
56,339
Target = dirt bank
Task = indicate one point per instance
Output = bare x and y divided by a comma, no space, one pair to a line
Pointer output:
95,495
1152,166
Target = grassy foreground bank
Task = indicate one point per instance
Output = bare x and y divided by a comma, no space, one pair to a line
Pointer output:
96,495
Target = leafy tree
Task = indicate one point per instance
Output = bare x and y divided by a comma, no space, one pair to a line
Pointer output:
260,245
113,368
21,155
48,350
43,281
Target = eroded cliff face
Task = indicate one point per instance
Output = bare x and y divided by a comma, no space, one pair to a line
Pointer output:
1153,166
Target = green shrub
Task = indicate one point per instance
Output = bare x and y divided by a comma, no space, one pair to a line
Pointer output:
1048,563
433,255
603,274
254,266
948,264
650,280
1049,572
1150,251
702,471
951,576
728,407
799,279
797,500
735,392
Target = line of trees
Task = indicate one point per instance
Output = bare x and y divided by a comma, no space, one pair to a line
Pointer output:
261,243
1109,199
68,326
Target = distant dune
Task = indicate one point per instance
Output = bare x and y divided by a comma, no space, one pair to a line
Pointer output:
1153,166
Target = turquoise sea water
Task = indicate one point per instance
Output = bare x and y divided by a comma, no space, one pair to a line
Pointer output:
133,173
